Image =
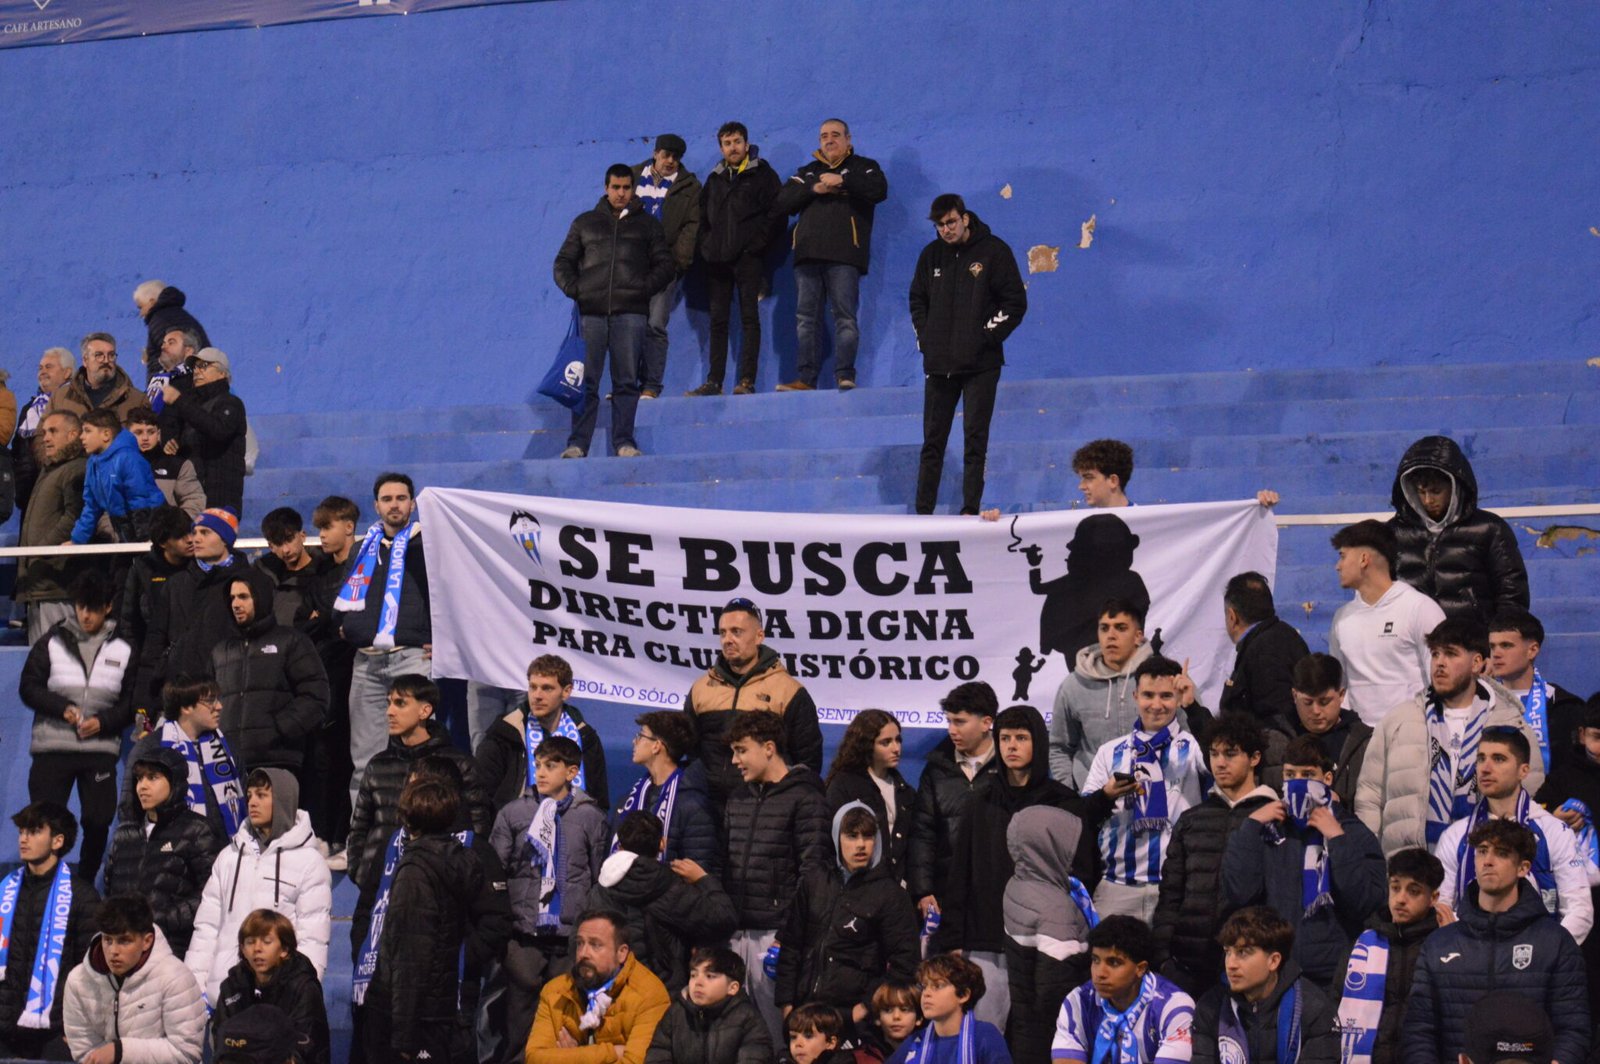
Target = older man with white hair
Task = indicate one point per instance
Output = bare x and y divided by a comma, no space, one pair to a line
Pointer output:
161,307
56,366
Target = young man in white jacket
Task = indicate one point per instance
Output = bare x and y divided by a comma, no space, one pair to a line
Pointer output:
132,1001
272,863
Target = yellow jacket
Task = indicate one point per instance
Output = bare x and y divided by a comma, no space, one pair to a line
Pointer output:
638,1002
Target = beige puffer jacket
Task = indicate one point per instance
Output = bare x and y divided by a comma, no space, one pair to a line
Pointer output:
1392,796
155,1015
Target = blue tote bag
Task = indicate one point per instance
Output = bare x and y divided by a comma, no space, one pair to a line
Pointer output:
564,380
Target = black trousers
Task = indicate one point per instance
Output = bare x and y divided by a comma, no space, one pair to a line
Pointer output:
940,394
325,774
721,277
51,779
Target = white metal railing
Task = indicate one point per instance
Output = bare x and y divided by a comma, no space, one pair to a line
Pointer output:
1584,509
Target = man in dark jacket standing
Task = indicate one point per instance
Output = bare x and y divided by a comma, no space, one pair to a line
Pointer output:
270,678
671,195
209,421
736,227
45,584
615,258
953,770
966,298
1465,558
161,307
834,195
1503,939
196,615
1265,650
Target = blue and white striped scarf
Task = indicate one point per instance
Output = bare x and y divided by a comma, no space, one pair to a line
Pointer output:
1536,708
1361,1007
923,1042
1233,1043
1466,857
665,801
353,595
544,837
1122,1032
213,768
1588,843
47,953
1451,795
367,956
1302,797
533,734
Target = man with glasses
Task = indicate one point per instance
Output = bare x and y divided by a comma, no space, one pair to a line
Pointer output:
100,384
747,676
209,423
967,296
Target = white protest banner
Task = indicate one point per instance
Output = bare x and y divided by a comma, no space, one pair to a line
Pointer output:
866,611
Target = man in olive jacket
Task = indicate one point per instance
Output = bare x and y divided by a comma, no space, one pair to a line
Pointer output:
45,584
614,259
966,298
670,194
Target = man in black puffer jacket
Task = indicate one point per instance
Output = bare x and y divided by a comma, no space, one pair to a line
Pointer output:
169,863
614,259
851,927
1503,939
967,296
835,195
1465,558
671,909
270,678
955,768
714,1022
413,735
1265,651
209,421
1189,908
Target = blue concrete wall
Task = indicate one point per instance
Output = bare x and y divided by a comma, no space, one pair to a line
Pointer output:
365,213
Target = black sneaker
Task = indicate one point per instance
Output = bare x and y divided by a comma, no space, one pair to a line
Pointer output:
708,388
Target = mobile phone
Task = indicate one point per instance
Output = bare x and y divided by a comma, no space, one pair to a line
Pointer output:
1123,777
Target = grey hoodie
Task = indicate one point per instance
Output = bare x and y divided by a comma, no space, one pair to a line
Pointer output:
285,803
1094,705
1038,907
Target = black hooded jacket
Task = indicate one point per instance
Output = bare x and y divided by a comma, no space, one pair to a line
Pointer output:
143,595
295,989
209,422
845,934
192,619
1469,562
972,917
849,786
27,922
613,264
965,300
502,757
169,866
165,314
667,915
273,687
1263,659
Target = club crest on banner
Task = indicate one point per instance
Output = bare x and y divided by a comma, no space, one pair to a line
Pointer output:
525,531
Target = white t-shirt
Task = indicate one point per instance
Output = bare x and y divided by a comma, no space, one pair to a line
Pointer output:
1384,648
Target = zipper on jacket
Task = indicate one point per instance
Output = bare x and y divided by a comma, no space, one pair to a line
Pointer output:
611,275
855,238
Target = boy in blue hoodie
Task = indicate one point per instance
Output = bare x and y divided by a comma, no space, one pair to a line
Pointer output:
117,482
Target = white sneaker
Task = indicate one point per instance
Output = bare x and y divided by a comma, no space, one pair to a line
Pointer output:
628,450
572,452
339,862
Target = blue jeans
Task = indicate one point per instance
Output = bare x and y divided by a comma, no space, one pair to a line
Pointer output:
654,366
623,336
843,285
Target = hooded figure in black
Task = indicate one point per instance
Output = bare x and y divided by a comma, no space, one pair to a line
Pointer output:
169,864
981,864
270,678
851,930
1099,568
164,315
1465,558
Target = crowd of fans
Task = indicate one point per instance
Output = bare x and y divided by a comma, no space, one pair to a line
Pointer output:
1382,853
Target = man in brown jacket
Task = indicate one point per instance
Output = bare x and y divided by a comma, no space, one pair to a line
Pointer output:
99,384
748,675
45,584
606,1009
